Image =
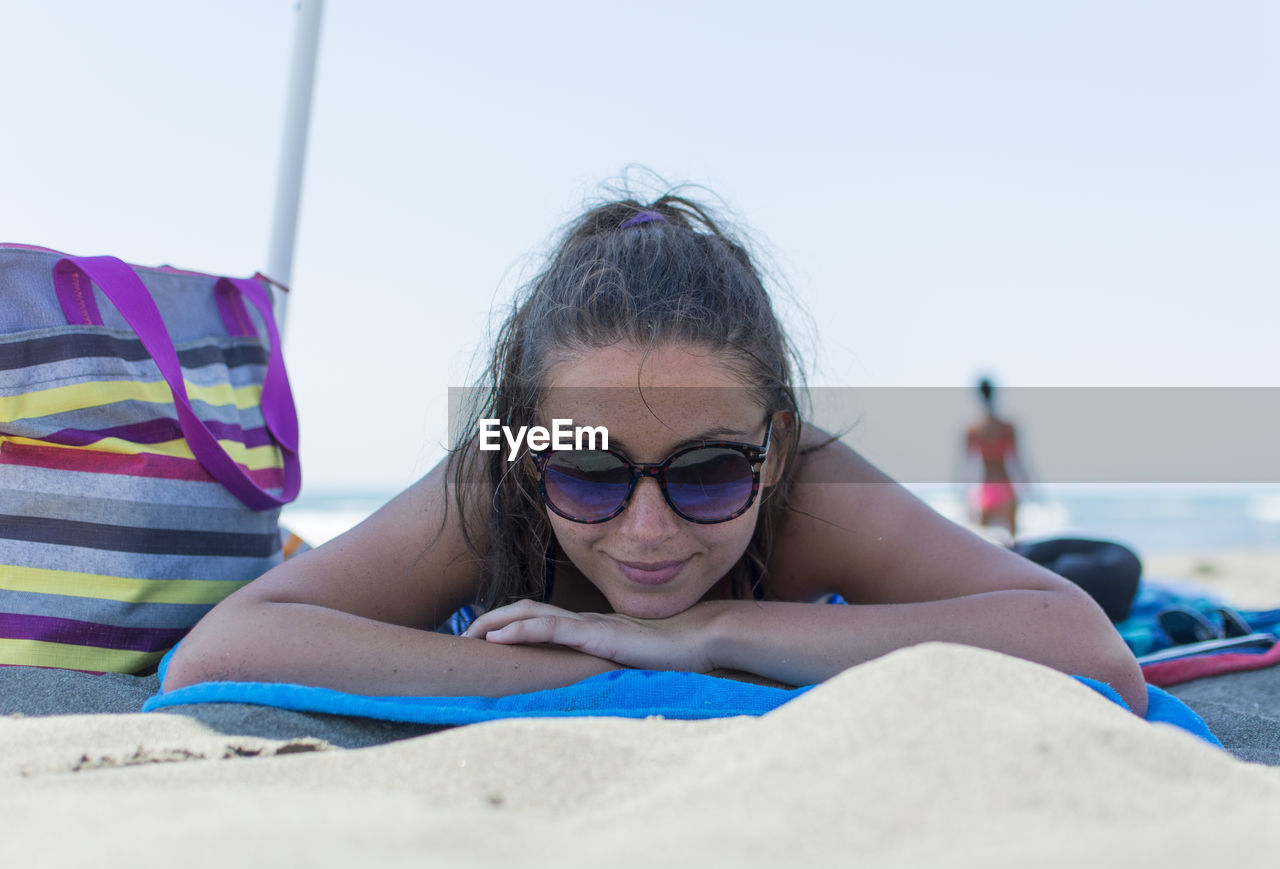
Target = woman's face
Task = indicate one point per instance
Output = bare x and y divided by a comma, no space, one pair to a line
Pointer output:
649,562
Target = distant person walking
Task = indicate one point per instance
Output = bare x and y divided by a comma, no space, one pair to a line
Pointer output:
995,442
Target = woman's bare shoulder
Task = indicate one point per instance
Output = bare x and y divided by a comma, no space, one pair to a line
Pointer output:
406,564
852,530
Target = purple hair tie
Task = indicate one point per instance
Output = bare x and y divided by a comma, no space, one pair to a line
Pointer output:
643,217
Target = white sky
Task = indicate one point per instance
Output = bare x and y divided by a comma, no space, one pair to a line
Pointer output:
1060,194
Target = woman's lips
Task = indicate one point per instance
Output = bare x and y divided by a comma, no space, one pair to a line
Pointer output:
651,572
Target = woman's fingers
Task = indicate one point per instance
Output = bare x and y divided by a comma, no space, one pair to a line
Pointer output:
591,636
663,644
531,622
502,616
540,629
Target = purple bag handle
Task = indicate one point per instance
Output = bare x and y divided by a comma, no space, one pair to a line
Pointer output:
73,278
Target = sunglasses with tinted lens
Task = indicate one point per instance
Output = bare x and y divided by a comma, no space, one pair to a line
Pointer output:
706,482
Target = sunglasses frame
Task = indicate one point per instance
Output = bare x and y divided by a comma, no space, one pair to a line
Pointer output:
755,454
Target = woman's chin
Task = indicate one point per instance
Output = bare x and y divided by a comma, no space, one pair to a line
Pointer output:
649,606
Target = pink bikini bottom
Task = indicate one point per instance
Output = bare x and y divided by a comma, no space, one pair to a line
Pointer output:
990,496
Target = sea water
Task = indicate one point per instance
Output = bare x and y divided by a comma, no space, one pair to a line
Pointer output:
1151,519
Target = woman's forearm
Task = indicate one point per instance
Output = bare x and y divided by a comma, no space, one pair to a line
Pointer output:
313,645
801,643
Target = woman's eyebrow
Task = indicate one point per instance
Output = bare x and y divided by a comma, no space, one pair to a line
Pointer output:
717,433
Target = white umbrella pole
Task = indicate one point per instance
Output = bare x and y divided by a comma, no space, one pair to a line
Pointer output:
293,146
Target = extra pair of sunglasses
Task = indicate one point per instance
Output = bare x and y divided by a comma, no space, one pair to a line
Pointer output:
706,482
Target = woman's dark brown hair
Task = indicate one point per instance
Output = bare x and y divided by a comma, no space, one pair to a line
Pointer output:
677,279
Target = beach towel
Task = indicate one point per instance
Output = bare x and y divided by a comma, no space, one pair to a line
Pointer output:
1147,632
1144,633
1175,672
618,694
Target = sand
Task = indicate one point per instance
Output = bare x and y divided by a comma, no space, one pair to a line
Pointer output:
1248,578
937,754
934,755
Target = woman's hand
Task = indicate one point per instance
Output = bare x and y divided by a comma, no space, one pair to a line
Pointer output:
676,643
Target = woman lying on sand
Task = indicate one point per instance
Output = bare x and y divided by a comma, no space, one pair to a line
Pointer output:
700,540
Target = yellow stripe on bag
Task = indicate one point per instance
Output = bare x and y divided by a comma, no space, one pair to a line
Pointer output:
122,588
253,458
78,396
39,653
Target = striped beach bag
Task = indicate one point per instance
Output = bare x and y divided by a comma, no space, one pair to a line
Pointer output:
147,442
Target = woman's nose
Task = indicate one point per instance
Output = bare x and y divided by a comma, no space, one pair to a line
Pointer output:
648,517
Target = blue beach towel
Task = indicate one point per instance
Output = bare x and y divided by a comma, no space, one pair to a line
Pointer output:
1142,631
619,694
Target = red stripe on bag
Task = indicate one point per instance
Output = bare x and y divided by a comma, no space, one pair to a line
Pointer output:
138,465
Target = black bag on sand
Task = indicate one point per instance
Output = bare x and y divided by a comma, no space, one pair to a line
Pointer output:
1108,571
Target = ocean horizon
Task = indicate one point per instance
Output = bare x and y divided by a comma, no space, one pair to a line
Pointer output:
1152,519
